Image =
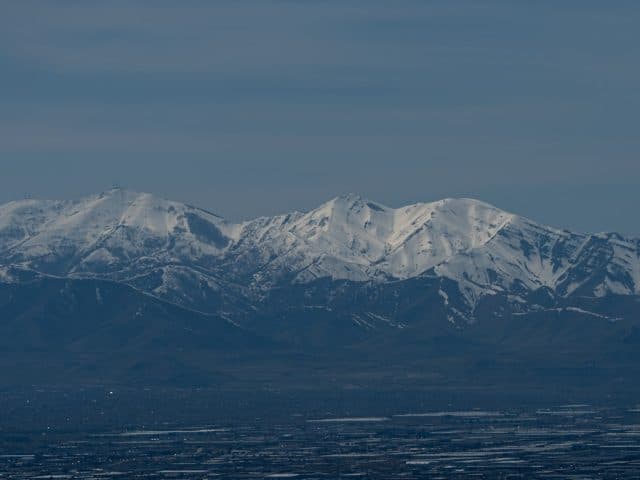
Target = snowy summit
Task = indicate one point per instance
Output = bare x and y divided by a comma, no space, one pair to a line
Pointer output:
186,254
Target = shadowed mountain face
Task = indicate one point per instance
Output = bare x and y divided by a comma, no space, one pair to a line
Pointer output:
57,330
124,286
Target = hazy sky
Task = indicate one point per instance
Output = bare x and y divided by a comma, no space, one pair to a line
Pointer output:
256,107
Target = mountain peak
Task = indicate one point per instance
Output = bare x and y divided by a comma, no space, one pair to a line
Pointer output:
126,194
468,202
163,246
354,199
351,202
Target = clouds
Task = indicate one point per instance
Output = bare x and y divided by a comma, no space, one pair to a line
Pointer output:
193,36
301,100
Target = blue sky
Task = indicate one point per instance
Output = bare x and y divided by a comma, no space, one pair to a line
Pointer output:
256,107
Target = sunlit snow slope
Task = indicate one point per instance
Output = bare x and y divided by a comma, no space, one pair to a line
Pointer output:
195,258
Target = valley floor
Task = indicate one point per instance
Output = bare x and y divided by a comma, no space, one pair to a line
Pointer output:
157,433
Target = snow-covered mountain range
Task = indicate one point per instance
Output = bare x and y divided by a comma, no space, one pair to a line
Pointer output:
196,259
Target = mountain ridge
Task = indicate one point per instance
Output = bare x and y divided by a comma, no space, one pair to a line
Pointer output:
192,257
126,287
